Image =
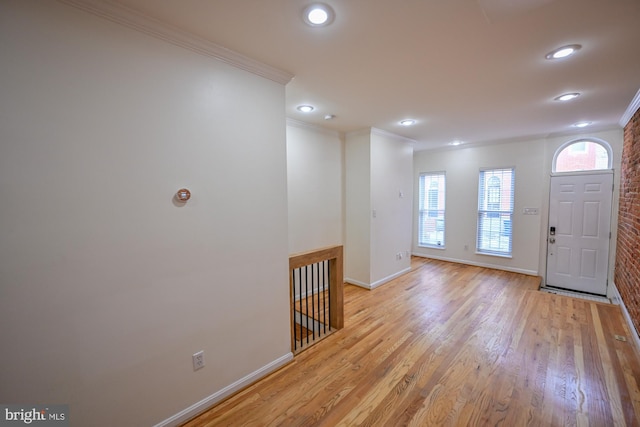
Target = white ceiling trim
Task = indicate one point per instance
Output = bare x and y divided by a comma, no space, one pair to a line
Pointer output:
359,132
375,131
314,127
631,110
381,132
135,20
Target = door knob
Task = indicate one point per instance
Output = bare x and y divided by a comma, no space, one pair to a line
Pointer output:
552,239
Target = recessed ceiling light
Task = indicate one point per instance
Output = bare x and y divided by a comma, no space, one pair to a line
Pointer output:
563,52
330,117
456,142
566,96
408,122
581,124
318,15
305,108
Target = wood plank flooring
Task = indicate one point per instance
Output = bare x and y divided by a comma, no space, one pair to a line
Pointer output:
453,345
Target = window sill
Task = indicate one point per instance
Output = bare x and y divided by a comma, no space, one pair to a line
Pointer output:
432,247
508,256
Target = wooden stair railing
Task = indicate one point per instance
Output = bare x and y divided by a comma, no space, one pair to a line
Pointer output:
316,287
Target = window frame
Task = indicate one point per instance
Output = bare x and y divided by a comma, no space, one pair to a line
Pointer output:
604,144
494,227
426,211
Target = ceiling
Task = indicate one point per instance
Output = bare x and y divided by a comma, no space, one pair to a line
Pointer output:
468,70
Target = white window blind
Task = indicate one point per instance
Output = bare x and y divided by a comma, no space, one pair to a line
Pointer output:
431,209
495,211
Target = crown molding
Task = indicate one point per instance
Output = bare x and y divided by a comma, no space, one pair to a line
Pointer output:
380,132
359,132
631,110
135,20
314,127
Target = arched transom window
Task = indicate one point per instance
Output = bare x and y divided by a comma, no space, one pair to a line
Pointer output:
582,155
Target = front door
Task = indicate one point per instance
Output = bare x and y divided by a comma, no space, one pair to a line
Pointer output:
579,231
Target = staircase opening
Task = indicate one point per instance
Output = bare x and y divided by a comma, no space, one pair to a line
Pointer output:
316,288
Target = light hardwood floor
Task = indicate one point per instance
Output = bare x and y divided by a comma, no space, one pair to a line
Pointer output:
456,345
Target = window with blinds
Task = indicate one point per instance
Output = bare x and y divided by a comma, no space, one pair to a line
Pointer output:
495,211
431,209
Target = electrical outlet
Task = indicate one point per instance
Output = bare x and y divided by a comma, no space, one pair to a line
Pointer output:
198,360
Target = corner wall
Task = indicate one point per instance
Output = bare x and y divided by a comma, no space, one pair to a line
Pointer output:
391,198
627,265
357,254
315,177
378,207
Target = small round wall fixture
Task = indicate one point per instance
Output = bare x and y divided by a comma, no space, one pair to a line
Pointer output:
407,122
318,15
183,195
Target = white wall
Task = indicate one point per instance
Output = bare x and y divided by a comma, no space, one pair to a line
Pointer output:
378,168
532,161
107,286
462,166
357,251
391,166
315,177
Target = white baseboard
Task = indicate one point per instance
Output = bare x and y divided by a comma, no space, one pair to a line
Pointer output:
377,282
479,264
218,396
357,283
389,278
616,298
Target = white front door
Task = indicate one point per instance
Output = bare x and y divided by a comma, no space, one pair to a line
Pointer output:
579,231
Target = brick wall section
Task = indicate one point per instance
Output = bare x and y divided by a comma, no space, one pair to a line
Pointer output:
627,269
